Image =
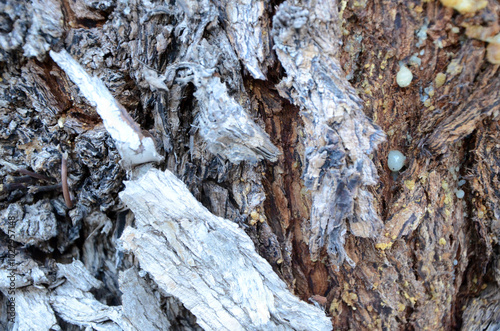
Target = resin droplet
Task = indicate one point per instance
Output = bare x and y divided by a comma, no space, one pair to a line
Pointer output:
396,160
404,76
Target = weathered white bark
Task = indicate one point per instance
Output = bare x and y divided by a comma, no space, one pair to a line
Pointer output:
223,123
207,262
44,19
141,306
74,303
132,145
339,136
249,32
81,308
435,254
36,224
35,311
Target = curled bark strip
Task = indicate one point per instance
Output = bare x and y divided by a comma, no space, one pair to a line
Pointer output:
223,123
64,180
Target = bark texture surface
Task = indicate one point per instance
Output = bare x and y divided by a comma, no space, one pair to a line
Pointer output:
270,122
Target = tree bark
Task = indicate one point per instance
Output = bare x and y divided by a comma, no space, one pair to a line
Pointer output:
228,158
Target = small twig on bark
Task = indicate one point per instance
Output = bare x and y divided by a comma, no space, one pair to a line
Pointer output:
19,179
32,174
64,181
9,187
47,188
14,168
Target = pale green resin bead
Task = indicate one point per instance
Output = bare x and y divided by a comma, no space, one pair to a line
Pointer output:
396,160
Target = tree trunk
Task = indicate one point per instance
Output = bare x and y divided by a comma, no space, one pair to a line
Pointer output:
192,164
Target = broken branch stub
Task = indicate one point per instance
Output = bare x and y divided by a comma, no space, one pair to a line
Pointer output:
133,146
207,262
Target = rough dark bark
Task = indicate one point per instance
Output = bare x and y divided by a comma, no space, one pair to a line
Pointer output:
278,116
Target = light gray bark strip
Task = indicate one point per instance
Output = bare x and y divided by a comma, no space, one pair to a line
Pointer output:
74,303
248,33
207,262
225,125
338,136
132,145
140,305
34,310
